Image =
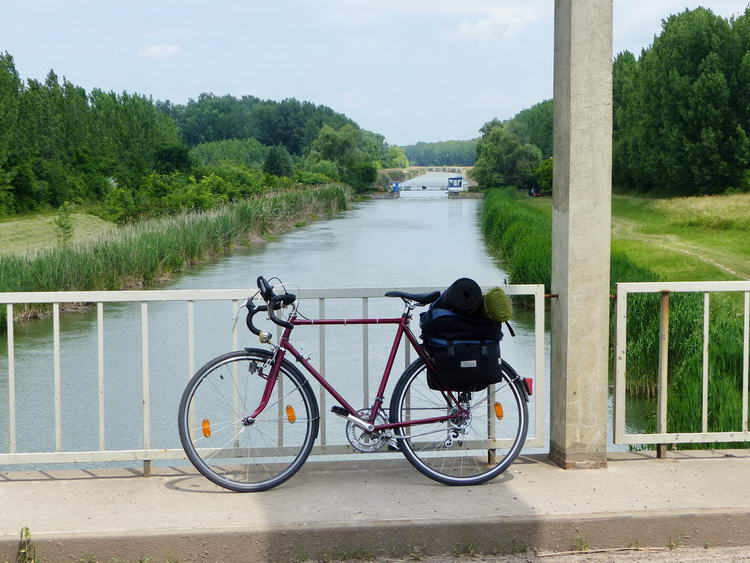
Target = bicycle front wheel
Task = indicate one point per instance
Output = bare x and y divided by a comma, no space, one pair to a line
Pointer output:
229,448
463,451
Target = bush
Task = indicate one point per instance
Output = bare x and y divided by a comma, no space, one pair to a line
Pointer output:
118,206
544,174
306,177
278,162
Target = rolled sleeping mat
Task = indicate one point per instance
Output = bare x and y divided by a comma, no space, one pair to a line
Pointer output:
497,305
462,296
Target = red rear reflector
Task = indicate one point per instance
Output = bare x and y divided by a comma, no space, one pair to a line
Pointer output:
529,383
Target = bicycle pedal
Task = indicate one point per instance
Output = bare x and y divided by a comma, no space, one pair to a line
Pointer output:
341,411
393,444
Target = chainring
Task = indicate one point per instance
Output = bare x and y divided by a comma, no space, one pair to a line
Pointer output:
362,440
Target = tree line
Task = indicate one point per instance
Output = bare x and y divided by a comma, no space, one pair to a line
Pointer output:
682,108
442,153
126,155
681,115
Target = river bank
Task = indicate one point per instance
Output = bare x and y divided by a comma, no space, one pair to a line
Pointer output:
518,231
151,251
387,244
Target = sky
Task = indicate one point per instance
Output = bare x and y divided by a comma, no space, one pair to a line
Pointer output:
412,70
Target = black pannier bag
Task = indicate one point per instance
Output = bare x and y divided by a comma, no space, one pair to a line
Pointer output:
464,349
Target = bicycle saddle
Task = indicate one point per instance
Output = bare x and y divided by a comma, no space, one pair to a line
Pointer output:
421,298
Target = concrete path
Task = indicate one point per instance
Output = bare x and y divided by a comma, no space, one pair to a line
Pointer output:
385,508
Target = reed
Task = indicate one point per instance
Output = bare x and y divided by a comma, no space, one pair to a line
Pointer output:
139,254
519,233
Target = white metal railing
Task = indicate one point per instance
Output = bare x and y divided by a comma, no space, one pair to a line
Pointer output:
16,455
662,436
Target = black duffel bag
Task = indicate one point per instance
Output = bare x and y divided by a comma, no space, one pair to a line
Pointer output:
465,350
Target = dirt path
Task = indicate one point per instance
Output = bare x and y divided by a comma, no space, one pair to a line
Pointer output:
729,262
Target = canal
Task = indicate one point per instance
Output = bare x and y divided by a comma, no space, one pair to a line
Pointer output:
421,239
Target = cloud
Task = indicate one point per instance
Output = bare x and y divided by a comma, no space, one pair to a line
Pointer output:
499,22
477,19
159,51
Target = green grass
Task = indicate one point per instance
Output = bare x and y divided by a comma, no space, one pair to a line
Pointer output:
713,226
518,231
33,233
139,254
668,264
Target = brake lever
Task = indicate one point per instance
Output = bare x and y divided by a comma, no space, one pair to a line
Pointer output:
236,315
245,305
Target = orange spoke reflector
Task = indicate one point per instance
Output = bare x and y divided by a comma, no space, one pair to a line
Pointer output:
206,426
291,417
499,411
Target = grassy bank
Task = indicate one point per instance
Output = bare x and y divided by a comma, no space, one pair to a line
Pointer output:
519,232
37,232
136,255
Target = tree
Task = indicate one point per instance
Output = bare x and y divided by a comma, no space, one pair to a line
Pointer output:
534,126
64,224
502,160
396,158
278,162
172,158
544,174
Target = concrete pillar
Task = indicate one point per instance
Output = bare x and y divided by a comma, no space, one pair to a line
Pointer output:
581,219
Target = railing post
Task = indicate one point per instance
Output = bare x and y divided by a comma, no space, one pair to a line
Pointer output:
146,388
581,221
661,449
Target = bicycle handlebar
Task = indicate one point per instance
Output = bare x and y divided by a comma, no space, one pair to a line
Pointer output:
273,303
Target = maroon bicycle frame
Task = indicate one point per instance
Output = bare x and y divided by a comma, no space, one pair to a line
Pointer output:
403,329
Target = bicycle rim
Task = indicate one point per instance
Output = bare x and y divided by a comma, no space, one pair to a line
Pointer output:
460,452
236,452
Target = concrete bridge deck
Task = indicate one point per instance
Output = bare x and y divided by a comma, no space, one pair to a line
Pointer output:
352,509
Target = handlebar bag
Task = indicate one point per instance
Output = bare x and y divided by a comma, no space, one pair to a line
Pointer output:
465,350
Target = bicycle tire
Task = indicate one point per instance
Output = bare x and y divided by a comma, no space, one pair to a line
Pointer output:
435,459
300,406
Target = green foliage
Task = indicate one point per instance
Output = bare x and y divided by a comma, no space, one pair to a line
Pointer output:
139,254
59,143
502,160
290,123
278,162
247,152
361,174
442,153
64,224
544,173
306,177
172,158
681,110
533,126
520,234
123,152
26,552
355,153
325,167
396,158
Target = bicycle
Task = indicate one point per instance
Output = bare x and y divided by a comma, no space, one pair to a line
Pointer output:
241,437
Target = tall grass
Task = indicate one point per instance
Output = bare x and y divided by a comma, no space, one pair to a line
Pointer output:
519,233
136,255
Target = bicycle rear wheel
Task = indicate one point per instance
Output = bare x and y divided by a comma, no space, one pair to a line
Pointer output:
232,450
466,451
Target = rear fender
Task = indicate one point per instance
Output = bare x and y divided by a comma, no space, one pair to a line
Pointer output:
517,380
